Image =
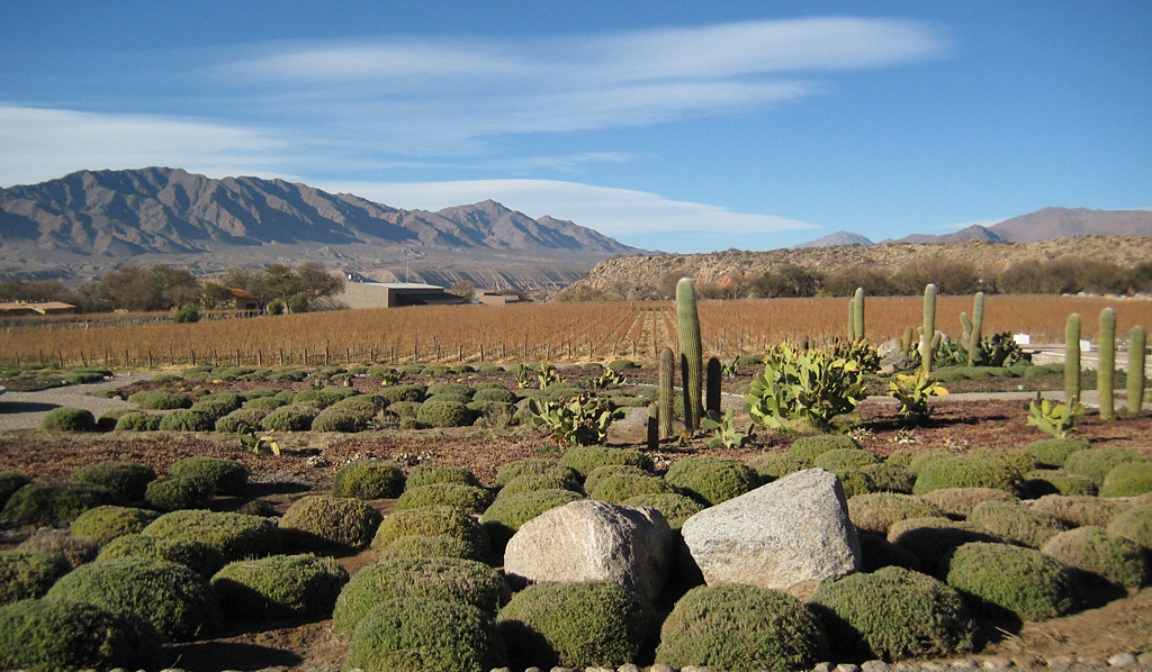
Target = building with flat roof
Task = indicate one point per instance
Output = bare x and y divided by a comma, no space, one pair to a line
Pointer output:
395,295
39,308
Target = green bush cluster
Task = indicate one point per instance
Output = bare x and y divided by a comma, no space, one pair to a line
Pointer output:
422,546
200,558
126,479
69,420
395,393
160,400
890,477
583,459
507,514
808,448
62,635
600,473
428,474
1095,463
431,522
1053,453
187,420
467,498
534,482
1043,482
53,503
1135,523
423,634
444,413
1016,523
227,476
1128,480
712,479
451,388
959,502
10,482
968,472
368,479
840,460
777,465
179,492
533,465
320,521
279,587
919,459
1079,510
234,535
619,487
495,394
875,512
290,419
138,421
1003,579
105,523
265,403
932,540
332,419
1115,560
29,574
675,508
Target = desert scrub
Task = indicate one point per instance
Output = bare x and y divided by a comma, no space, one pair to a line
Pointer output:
10,482
364,405
674,507
61,635
319,521
959,502
1095,463
53,503
711,479
1019,459
422,546
395,393
160,400
580,625
270,403
200,558
777,465
1016,523
428,474
69,420
1053,453
495,394
968,472
290,419
1135,523
893,614
808,448
735,628
449,579
890,477
126,479
424,636
227,476
600,473
922,458
279,587
844,459
586,458
344,422
187,420
875,512
28,574
534,482
1010,580
932,540
234,535
216,408
1114,560
138,421
856,482
619,487
451,388
234,422
179,492
105,523
1042,482
467,498
533,465
368,479
443,413
507,514
1128,480
432,521
323,398
1078,511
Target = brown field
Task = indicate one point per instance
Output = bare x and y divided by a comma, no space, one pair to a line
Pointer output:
566,332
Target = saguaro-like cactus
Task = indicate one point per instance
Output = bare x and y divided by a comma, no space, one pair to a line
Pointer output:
858,315
665,391
928,337
1072,360
1136,345
691,353
1106,364
970,340
712,390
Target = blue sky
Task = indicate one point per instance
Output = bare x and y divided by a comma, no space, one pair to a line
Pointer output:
679,126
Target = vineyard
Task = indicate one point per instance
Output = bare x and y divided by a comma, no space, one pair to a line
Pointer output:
570,332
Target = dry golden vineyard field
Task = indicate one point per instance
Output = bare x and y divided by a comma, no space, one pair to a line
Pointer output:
564,332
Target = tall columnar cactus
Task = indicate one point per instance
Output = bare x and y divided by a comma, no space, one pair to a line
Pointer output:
691,353
665,391
1072,360
970,340
928,337
712,390
1106,364
1136,346
653,427
858,315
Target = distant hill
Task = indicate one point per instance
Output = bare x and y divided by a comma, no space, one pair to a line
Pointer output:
1049,224
835,239
89,222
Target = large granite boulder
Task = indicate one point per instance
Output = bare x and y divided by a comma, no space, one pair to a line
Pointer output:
591,540
789,535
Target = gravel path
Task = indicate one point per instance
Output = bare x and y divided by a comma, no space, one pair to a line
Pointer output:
25,410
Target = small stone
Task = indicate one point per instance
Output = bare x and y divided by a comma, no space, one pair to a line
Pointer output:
554,669
1061,661
874,666
847,667
501,669
931,666
628,667
822,667
1122,660
693,668
963,664
598,669
905,666
1144,659
661,667
997,663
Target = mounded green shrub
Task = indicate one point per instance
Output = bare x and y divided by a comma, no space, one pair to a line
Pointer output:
29,574
320,521
675,508
1135,523
808,448
507,514
234,535
534,482
187,420
451,388
402,409
893,614
600,473
735,628
279,587
175,600
422,546
179,492
395,393
1128,480
875,512
932,540
619,487
712,479
968,472
364,405
265,403
918,459
424,636
138,421
127,479
586,458
444,413
160,400
1016,523
1115,560
1000,579
432,521
69,420
10,482
777,465
449,579
1053,453
228,476
1019,459
368,479
890,477
105,523
959,502
580,625
200,558
1042,482
52,503
323,398
231,424
290,419
467,498
75,549
428,474
855,482
61,635
533,465
1095,463
1078,511
495,394
844,459
216,408
334,420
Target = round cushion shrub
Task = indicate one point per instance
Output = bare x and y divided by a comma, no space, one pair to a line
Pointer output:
177,602
507,514
451,388
808,448
331,420
495,394
403,410
270,403
138,421
363,405
1078,511
28,574
395,393
619,487
932,540
422,635
160,400
918,459
423,546
1003,580
1016,523
448,579
1053,453
533,465
735,628
106,422
1020,460
279,587
855,482
675,508
467,498
53,503
234,535
777,465
893,614
426,474
1095,463
179,492
290,419
127,479
534,482
432,521
1128,480
600,473
583,459
711,479
76,550
435,370
844,459
1135,523
214,408
368,479
227,476
890,477
444,413
61,635
200,558
580,625
1042,482
875,512
959,502
1116,561
10,482
968,472
319,522
69,420
232,424
105,523
187,420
